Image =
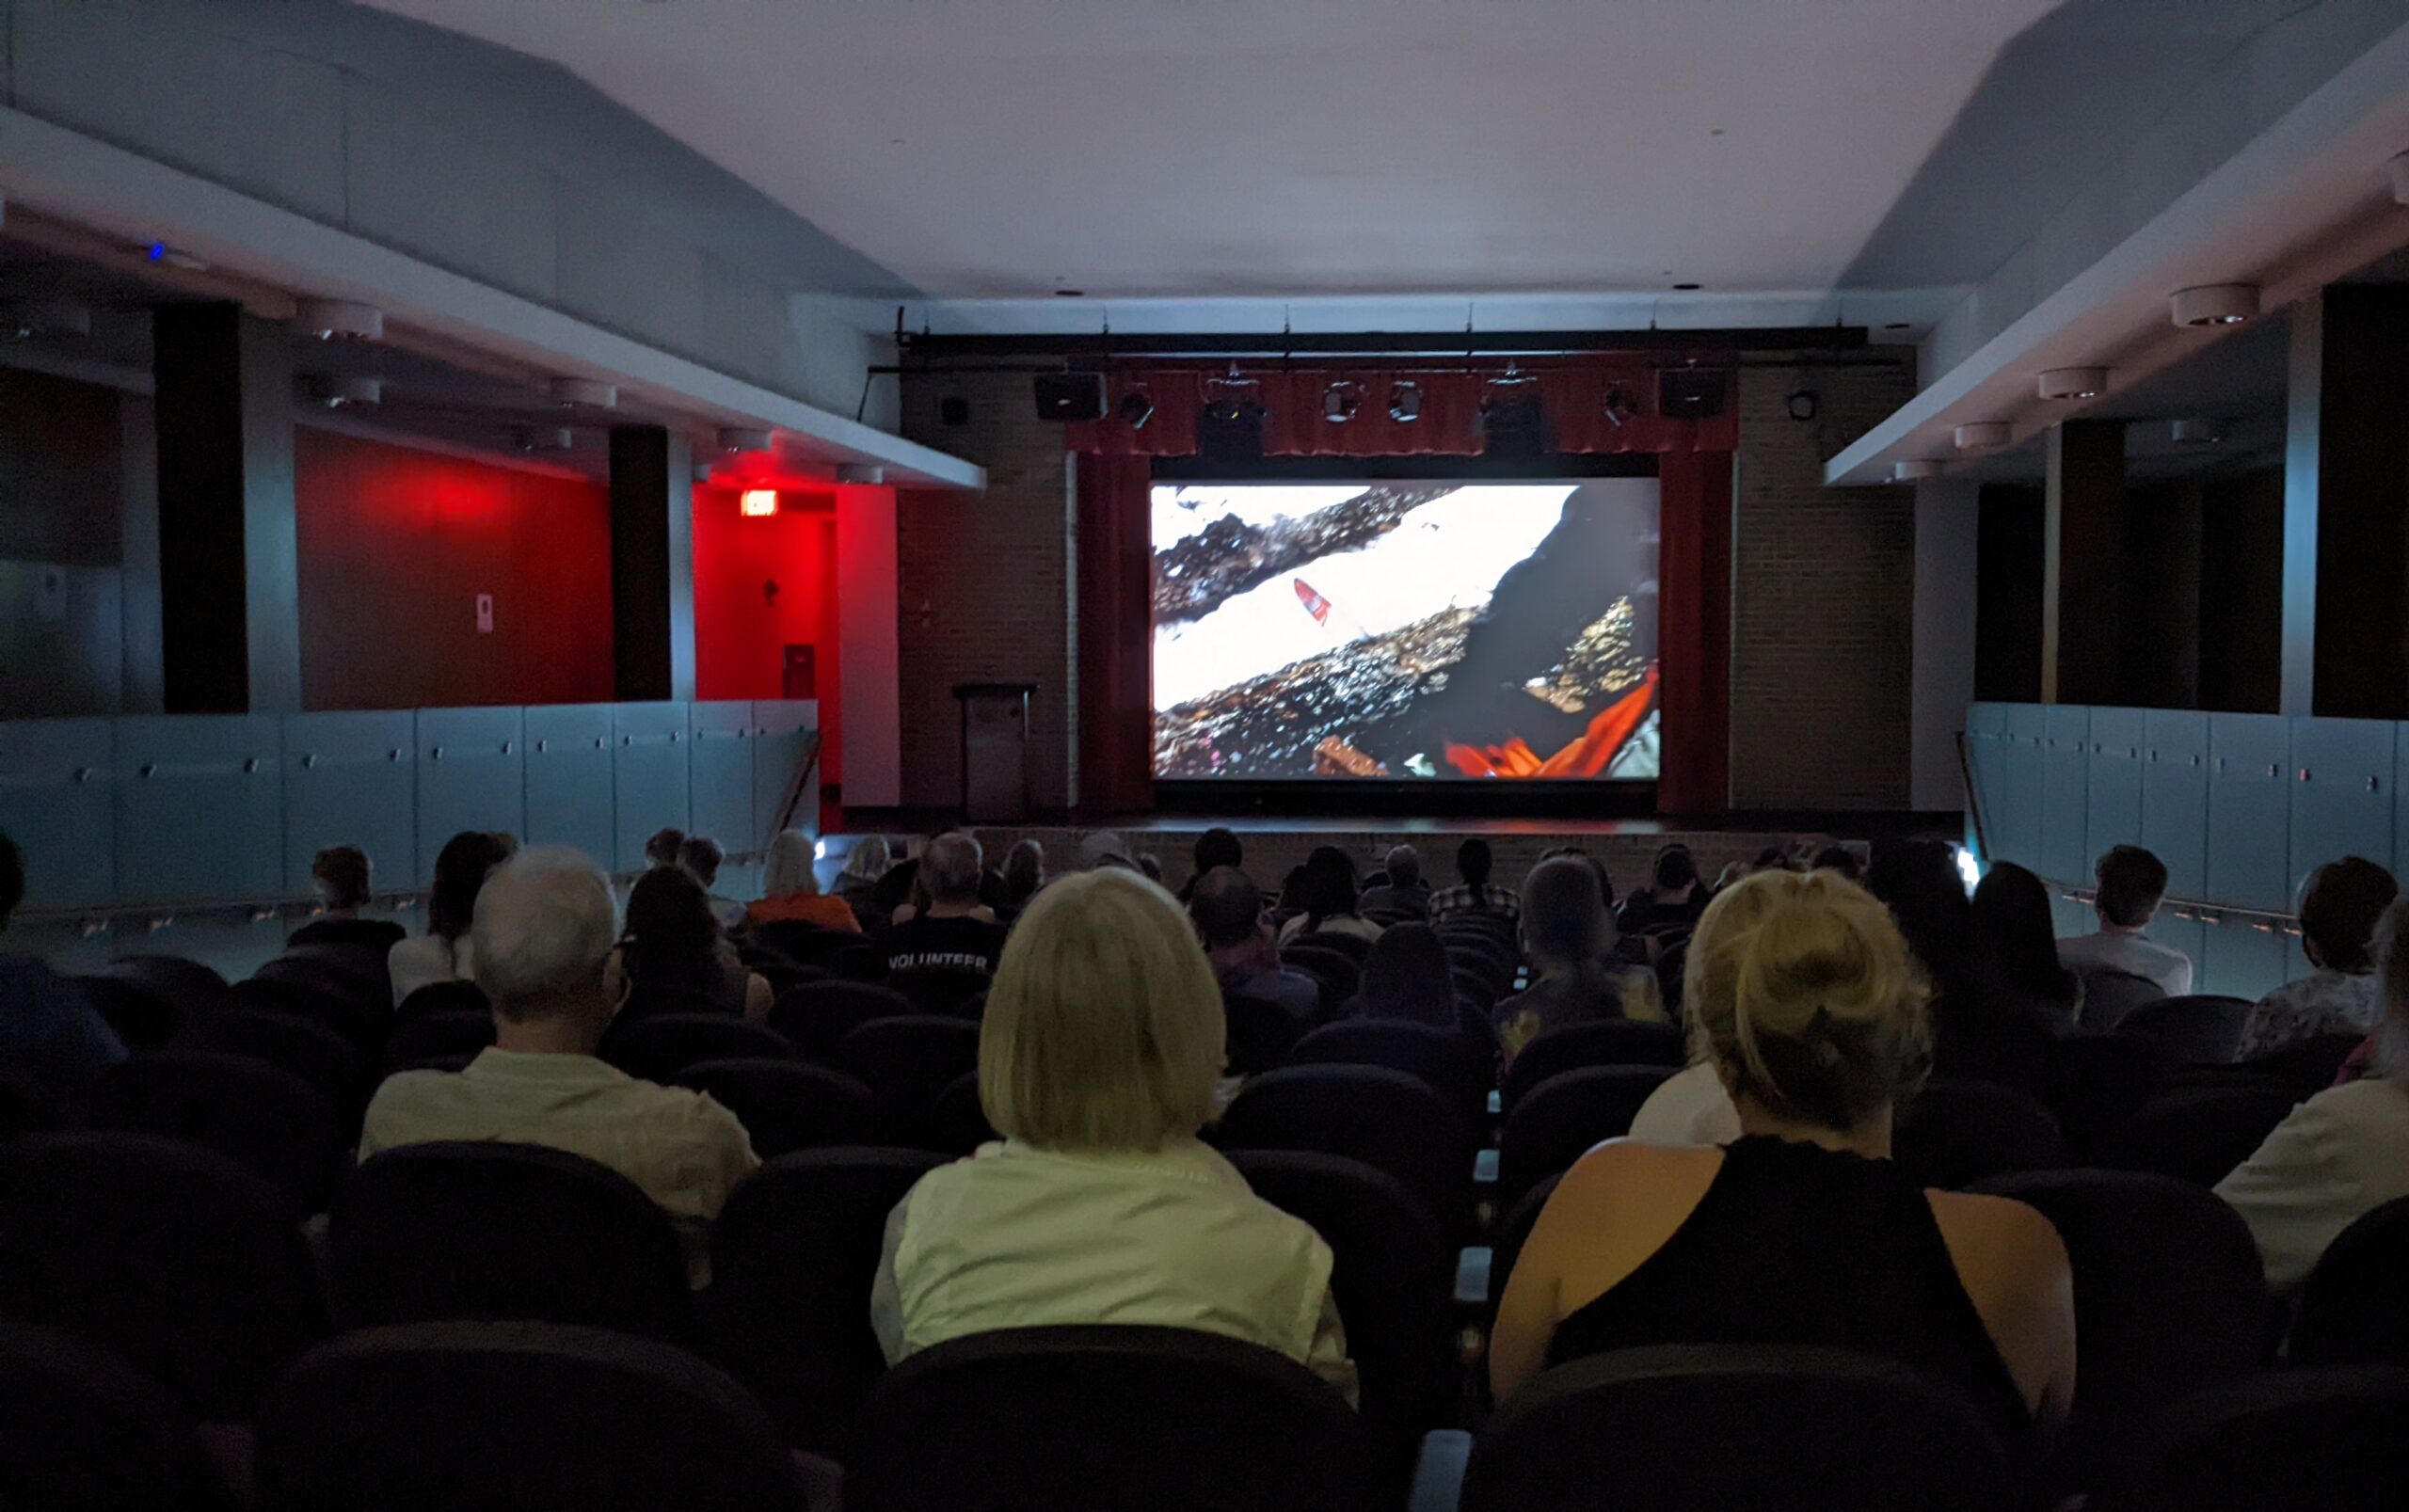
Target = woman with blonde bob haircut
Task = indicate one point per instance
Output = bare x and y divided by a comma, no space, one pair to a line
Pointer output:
1099,1053
1812,1013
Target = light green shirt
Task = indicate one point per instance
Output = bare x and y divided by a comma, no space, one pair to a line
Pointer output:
685,1149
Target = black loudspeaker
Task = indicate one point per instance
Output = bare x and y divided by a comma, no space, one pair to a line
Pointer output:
954,409
1691,393
1070,397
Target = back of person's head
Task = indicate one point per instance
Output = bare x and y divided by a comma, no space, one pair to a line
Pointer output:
12,878
868,859
1218,847
1328,889
2132,883
460,870
2390,947
661,850
1150,866
950,868
1227,907
542,932
1564,913
1406,976
787,871
1841,859
1474,862
1103,1029
1772,858
1404,866
2338,909
1926,894
1105,849
341,872
1023,870
2016,935
1802,993
1676,869
671,933
701,855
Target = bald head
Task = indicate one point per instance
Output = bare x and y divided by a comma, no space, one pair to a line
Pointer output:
1227,907
543,927
950,869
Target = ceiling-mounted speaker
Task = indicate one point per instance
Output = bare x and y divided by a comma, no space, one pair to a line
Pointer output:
1691,393
954,409
1069,398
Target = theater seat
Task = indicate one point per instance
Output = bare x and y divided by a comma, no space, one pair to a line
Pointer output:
1558,1121
83,1431
816,1016
272,1122
442,997
2101,1080
470,1417
468,1229
1513,1232
1441,1059
1341,976
956,1123
1260,1034
660,1049
2306,1067
784,1106
143,1017
1165,1420
2200,1031
2109,997
337,1067
1684,1428
1611,1042
906,1062
2355,1308
1957,1133
2295,1441
2199,1134
1383,1118
425,1037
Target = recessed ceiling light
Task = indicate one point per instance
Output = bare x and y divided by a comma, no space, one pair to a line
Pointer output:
2074,383
743,439
1977,433
2214,304
339,320
1913,470
586,391
867,473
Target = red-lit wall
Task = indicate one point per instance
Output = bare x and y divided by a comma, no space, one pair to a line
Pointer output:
741,631
396,544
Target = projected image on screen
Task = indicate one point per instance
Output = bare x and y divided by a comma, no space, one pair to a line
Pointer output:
1406,630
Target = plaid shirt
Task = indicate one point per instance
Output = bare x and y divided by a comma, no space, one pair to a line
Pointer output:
1499,900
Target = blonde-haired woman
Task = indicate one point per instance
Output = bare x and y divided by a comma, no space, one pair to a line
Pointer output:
791,889
1805,999
1098,1056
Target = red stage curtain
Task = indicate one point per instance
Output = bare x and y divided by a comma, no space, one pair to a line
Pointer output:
1694,632
1115,624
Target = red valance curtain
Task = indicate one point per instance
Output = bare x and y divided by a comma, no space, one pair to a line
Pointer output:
1694,632
1115,623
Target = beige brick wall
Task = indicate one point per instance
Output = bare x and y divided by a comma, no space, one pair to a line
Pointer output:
1823,600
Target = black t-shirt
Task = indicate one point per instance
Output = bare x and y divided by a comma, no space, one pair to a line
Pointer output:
943,944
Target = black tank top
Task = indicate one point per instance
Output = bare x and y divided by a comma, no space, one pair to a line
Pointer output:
1797,1244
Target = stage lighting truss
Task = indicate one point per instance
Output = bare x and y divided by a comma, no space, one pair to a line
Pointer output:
1405,402
1340,402
1228,399
1137,407
1620,405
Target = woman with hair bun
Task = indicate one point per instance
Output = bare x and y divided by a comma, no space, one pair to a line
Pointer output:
1803,998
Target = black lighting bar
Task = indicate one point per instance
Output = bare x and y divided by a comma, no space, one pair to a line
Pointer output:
925,346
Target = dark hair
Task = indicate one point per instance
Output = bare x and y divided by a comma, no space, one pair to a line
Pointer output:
1839,858
12,878
1676,869
2339,908
1406,976
1023,871
1919,881
2131,881
342,872
1564,910
1327,887
1227,908
1474,863
671,936
1218,847
1772,858
701,855
2016,935
460,871
661,850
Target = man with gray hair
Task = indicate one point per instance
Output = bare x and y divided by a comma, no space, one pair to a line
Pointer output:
954,934
1571,939
542,933
1405,894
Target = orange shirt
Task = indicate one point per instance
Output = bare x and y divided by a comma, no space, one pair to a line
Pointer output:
810,908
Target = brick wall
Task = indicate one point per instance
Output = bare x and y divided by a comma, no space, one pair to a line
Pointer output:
983,587
1823,600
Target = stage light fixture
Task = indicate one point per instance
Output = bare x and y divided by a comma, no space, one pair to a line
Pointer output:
1137,407
1975,435
574,392
1620,405
1802,404
1340,402
2214,304
339,320
1405,402
2074,383
743,439
336,393
757,503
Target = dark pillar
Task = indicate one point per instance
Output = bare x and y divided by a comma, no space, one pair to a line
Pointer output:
2007,594
2346,506
2240,630
2159,546
229,614
2082,595
652,562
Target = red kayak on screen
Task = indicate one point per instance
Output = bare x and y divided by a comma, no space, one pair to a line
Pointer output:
1315,603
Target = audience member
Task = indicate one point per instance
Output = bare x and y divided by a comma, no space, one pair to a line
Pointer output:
1805,1001
1733,871
701,856
1405,892
1327,893
1024,873
1406,976
1150,867
341,875
444,952
541,941
1568,936
2016,948
51,1039
897,887
1098,1059
790,887
2344,1152
2338,910
1474,863
1975,1033
1105,849
1839,859
664,849
1674,898
857,881
1227,908
955,932
674,940
1216,847
2132,882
